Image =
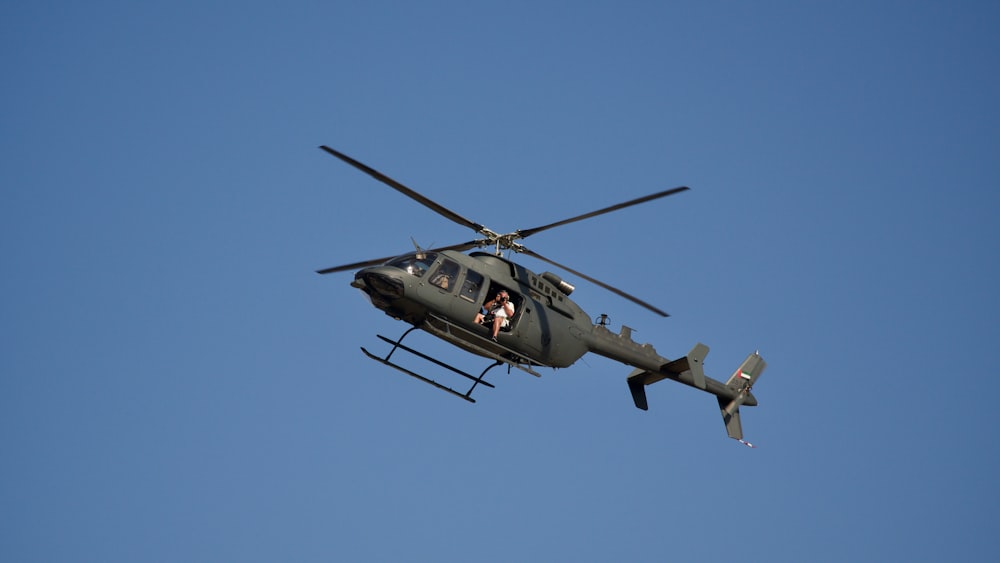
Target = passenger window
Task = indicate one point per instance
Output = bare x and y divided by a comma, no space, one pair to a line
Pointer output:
446,275
473,284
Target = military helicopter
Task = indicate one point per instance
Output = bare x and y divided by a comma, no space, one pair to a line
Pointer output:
445,292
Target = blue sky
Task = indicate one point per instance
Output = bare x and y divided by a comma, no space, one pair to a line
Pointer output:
176,384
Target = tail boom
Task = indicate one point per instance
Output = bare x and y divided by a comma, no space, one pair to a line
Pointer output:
688,370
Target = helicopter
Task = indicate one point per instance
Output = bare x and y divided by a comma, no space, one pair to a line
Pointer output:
448,294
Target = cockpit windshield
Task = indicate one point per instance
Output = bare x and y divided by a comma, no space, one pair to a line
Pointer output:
416,263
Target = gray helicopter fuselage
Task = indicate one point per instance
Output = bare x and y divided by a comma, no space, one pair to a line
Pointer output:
547,329
422,287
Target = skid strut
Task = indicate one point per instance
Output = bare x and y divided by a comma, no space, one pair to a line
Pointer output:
397,344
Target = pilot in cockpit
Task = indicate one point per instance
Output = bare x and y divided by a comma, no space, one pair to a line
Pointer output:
445,275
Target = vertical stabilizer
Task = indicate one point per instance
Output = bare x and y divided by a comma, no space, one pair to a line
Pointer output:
732,420
741,381
748,372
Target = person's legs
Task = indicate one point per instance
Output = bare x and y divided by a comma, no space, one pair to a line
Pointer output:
497,323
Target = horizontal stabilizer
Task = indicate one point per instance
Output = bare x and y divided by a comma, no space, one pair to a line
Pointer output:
691,364
687,369
696,359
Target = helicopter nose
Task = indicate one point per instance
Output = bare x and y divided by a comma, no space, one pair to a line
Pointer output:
385,284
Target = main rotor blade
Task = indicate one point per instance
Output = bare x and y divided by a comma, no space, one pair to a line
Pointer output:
355,265
461,247
528,232
439,209
610,288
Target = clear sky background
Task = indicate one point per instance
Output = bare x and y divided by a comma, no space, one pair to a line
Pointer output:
177,384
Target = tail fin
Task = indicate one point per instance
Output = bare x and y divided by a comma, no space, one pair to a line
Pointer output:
740,383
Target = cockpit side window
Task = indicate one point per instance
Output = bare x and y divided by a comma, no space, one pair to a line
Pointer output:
415,264
446,275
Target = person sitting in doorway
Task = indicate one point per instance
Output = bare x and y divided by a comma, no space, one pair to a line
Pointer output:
499,311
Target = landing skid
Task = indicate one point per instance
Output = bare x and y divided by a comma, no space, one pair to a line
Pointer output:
397,344
477,344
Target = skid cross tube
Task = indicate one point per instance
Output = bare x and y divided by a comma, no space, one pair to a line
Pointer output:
435,361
